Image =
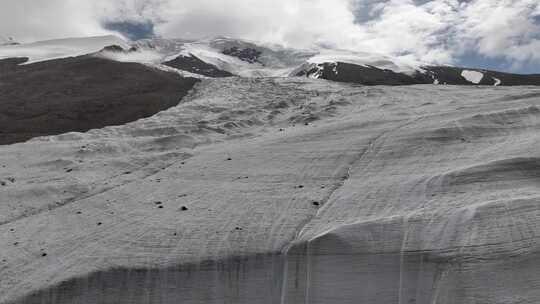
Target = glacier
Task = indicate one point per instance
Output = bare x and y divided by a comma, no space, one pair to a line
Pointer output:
283,190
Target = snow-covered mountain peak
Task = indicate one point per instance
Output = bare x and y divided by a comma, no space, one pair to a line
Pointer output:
233,56
60,48
253,59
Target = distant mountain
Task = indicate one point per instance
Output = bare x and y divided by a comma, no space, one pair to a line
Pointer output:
444,75
236,57
223,57
226,57
7,41
59,48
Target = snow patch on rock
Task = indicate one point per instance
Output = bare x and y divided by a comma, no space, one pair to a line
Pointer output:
140,56
472,76
317,72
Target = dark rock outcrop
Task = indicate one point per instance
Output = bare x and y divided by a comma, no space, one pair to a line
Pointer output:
248,54
114,49
195,65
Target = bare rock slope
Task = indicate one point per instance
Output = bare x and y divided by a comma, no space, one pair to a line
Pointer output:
283,191
79,94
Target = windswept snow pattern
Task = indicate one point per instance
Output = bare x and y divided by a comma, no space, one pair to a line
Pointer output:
472,76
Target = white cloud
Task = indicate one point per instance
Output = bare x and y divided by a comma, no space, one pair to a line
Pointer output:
134,10
30,20
436,31
419,30
502,28
443,30
290,22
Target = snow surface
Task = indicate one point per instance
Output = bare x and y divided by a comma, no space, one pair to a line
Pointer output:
166,68
417,194
140,56
472,76
497,81
60,48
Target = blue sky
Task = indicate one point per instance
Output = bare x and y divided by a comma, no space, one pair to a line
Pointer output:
133,30
492,34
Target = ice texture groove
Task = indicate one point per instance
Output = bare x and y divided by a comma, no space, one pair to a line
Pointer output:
272,190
